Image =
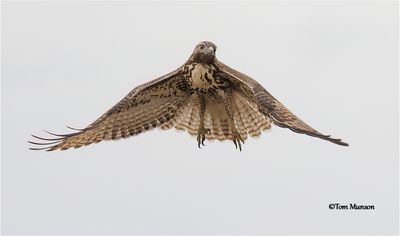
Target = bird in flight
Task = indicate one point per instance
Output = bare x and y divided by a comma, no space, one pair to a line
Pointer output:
205,97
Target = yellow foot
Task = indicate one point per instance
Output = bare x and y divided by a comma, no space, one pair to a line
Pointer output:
237,139
201,136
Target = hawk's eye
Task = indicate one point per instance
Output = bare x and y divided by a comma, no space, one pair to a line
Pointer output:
201,47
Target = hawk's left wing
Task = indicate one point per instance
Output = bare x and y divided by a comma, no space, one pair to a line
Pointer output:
270,106
147,106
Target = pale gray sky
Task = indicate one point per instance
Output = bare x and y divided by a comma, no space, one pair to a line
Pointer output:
334,64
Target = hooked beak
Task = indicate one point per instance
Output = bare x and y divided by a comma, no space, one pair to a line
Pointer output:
210,50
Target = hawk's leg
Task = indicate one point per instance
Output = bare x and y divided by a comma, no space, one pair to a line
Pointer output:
237,138
201,132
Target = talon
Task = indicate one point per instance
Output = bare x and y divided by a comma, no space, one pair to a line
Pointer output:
198,141
208,131
237,139
201,136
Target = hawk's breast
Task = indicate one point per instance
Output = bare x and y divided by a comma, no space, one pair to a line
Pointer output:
201,77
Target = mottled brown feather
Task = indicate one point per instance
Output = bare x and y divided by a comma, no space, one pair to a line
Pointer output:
270,106
248,120
147,106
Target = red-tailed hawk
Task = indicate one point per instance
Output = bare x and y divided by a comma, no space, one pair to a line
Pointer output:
204,97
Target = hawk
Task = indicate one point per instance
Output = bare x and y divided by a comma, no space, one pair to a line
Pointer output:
204,96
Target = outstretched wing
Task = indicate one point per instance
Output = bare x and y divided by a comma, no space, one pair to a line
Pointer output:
270,106
147,106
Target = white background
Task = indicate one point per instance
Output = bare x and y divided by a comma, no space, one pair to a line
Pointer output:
334,64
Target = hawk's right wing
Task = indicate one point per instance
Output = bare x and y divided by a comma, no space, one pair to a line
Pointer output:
147,106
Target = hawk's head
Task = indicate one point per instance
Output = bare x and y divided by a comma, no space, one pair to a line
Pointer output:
204,52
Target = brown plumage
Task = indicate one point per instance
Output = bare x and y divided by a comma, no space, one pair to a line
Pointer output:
204,97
